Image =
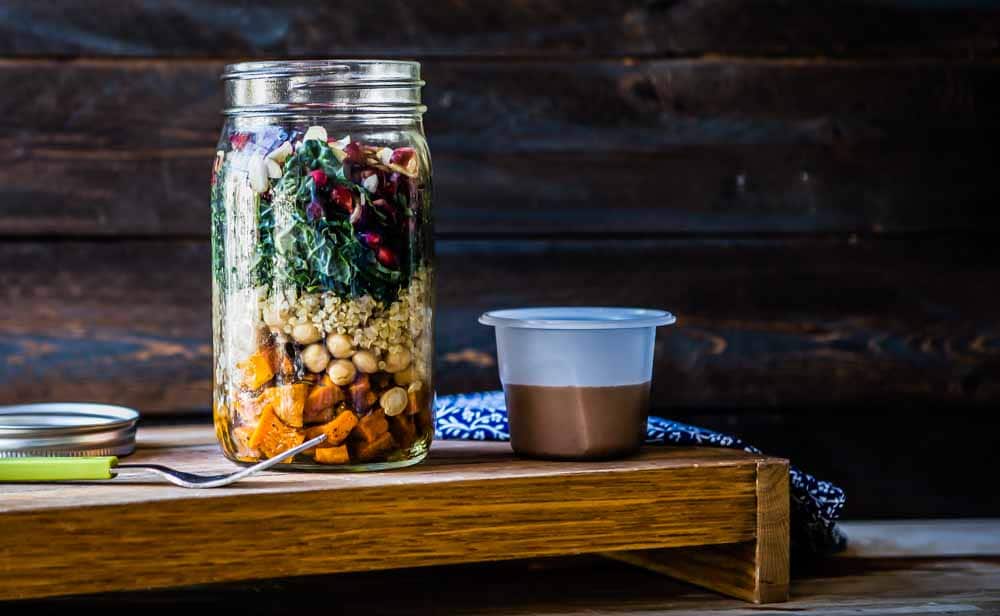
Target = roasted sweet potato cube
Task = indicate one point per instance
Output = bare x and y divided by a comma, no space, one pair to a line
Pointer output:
366,402
312,418
280,362
256,370
371,426
322,397
289,402
272,436
366,451
403,430
249,407
362,396
336,431
333,455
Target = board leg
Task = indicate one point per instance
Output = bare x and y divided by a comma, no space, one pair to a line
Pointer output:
755,570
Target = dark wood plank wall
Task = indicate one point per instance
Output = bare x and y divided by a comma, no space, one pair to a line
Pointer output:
810,186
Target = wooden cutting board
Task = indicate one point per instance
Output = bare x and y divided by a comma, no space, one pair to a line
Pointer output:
714,517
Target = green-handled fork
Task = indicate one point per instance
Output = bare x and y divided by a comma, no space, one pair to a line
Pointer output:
33,470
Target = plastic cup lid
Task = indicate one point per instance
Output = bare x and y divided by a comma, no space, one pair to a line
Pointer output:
577,318
67,429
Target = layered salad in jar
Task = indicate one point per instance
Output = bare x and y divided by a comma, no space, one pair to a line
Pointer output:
322,297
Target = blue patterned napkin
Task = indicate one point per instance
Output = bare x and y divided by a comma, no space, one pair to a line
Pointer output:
815,506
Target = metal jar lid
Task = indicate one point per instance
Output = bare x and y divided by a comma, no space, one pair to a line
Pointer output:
66,429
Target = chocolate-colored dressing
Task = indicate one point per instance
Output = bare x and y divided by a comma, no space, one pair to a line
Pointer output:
577,422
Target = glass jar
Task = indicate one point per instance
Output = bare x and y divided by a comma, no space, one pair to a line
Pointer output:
322,265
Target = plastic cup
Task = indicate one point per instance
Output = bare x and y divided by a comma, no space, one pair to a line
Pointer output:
576,380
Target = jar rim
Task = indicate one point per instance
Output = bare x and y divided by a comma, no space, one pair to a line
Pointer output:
384,88
334,71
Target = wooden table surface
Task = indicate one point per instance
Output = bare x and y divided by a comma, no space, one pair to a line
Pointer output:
913,567
723,514
584,585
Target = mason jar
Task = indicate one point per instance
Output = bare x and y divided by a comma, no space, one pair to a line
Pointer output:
322,265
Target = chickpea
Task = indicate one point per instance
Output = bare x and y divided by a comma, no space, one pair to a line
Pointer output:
342,372
366,361
394,401
405,377
306,333
340,345
315,357
397,360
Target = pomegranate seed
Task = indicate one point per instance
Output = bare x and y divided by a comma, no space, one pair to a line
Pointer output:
371,240
239,140
386,257
344,198
314,211
354,152
319,177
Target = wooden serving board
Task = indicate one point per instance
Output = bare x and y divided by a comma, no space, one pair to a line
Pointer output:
714,517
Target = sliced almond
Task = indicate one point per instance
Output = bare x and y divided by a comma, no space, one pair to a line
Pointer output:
257,172
315,132
282,152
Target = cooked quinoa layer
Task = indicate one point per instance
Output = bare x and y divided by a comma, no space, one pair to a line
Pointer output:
370,323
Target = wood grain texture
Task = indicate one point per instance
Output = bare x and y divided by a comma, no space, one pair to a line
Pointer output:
472,502
528,28
762,323
629,147
579,585
771,567
756,570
